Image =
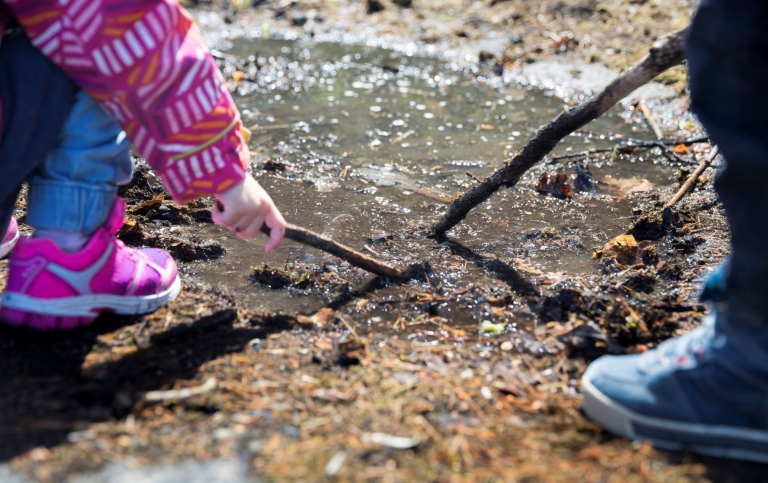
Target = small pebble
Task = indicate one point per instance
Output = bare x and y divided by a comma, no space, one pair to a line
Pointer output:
335,463
506,346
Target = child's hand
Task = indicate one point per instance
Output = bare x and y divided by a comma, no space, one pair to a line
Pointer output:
245,207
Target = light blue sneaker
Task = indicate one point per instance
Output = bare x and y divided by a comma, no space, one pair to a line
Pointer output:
706,391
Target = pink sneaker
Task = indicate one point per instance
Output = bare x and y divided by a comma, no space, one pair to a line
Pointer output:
51,289
10,238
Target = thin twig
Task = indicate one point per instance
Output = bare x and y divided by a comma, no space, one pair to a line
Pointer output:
401,137
475,178
631,144
649,118
686,187
671,154
185,393
348,326
258,127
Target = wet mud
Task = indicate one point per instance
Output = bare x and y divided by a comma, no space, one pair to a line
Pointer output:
298,366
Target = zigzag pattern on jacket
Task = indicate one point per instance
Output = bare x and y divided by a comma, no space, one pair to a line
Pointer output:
146,63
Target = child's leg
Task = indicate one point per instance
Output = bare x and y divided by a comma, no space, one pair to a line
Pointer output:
74,269
72,193
36,99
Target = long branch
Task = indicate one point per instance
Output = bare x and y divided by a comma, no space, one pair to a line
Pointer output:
666,53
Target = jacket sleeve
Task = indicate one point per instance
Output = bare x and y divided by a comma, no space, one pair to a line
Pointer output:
146,64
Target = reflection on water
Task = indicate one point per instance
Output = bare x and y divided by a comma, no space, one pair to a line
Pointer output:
358,143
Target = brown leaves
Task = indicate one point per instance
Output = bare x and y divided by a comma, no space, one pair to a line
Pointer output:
558,186
627,250
147,206
622,247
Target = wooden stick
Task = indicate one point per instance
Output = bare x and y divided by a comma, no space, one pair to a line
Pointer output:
358,259
185,393
686,187
322,242
664,54
648,115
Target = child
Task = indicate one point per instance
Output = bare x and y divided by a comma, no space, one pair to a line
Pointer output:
145,64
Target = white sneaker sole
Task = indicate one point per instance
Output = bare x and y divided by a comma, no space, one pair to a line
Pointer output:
92,305
721,441
5,248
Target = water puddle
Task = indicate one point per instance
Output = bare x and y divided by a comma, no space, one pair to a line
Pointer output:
364,145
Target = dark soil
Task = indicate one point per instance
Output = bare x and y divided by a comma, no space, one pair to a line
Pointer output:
296,390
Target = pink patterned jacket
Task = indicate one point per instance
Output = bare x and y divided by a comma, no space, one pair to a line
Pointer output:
145,62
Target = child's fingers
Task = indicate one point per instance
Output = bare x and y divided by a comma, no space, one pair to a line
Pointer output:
276,225
230,219
216,214
222,217
251,227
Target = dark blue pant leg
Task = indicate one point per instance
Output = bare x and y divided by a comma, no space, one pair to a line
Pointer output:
36,99
728,62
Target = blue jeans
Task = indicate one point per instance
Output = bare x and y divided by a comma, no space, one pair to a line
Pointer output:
56,137
728,63
75,187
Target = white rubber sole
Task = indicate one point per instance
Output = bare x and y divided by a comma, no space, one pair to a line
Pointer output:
92,305
721,441
5,248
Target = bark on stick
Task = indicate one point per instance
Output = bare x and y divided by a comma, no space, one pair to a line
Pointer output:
354,257
666,53
686,187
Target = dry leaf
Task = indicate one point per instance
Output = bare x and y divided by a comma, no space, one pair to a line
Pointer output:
148,205
321,318
526,267
552,278
681,149
499,311
557,186
629,185
623,247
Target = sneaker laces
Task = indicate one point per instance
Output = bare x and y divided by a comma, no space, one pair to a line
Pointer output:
685,351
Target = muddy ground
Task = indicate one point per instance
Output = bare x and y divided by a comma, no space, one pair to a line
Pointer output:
384,381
